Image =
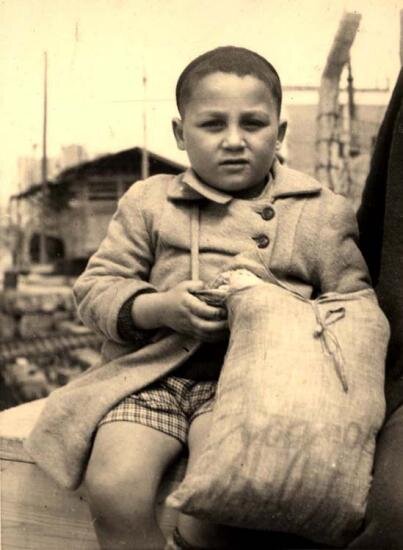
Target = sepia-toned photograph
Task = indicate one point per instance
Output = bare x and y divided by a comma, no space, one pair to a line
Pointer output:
201,266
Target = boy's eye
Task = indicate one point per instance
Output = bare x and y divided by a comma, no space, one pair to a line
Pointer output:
212,124
253,124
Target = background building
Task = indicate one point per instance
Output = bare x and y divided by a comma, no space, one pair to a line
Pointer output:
80,203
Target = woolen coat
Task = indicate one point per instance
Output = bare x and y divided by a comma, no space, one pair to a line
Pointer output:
304,233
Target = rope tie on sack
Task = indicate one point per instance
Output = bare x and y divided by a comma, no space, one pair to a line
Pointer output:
329,341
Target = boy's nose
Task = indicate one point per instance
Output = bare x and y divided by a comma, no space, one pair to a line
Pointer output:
234,138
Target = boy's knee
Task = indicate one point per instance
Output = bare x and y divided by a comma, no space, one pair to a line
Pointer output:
120,491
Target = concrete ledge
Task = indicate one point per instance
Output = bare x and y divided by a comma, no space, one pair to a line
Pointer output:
38,515
15,425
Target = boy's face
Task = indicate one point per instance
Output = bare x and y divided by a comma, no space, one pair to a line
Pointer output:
230,131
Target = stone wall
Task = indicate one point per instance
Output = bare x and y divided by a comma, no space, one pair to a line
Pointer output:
43,344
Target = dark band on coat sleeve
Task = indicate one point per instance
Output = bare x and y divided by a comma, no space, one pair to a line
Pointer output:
126,328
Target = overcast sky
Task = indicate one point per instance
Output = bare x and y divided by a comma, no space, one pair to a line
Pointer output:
97,50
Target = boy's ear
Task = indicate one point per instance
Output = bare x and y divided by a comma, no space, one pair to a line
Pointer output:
281,133
177,127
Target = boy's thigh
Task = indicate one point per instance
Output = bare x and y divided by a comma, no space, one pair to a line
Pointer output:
124,451
198,433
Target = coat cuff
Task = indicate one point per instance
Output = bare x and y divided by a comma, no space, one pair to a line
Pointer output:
126,328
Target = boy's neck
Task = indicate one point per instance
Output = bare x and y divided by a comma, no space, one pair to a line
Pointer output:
252,192
249,193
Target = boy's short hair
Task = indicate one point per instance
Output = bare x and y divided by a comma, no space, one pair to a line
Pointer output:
227,59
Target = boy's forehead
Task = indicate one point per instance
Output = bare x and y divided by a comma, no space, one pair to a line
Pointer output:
229,89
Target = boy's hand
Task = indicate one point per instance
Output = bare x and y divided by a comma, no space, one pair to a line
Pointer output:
179,310
187,314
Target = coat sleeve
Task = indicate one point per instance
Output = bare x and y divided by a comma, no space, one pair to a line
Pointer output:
119,269
339,264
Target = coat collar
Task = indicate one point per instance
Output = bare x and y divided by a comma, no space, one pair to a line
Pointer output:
188,186
286,182
289,182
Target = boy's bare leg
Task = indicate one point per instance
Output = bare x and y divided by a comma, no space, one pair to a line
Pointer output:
122,479
198,533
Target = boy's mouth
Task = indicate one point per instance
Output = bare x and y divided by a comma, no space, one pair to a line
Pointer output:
233,162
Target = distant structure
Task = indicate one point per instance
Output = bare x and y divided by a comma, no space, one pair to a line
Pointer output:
301,133
72,155
332,127
29,169
81,201
344,134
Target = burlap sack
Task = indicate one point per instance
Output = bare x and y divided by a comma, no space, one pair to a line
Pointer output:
299,403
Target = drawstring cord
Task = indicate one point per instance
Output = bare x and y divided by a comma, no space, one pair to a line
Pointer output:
194,241
330,343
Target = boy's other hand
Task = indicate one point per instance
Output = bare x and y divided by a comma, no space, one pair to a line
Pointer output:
187,314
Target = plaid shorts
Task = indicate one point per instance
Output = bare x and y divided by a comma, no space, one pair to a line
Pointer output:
169,406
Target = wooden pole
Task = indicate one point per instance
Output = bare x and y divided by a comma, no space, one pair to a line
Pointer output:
144,155
43,257
328,124
354,145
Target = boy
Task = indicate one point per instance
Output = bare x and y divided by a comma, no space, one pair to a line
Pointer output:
138,282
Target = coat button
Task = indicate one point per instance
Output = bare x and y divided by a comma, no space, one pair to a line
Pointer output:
262,241
267,213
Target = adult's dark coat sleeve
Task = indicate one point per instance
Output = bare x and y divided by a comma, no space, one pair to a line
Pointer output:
380,220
